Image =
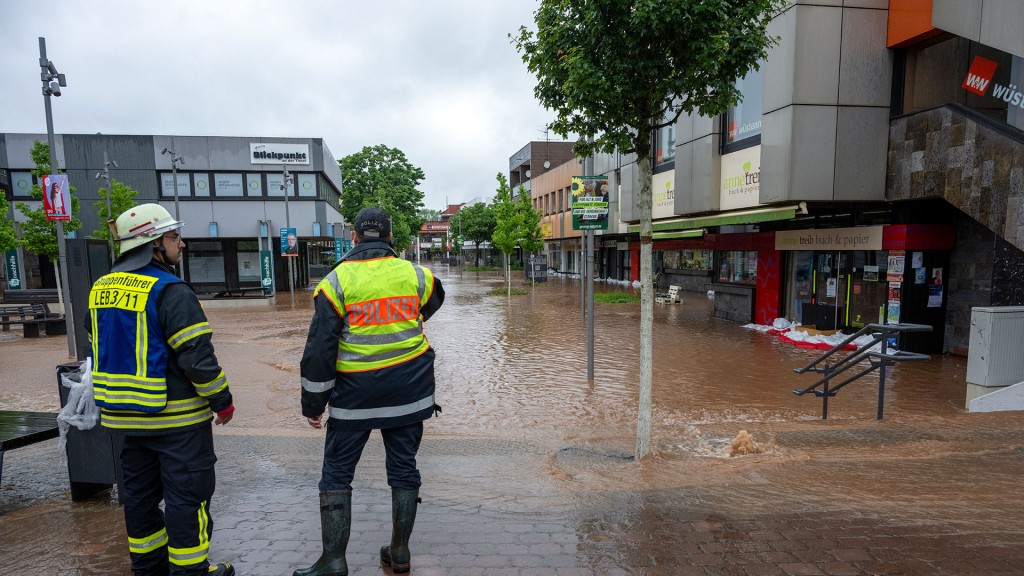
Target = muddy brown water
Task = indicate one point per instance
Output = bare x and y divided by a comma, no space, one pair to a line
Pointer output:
512,381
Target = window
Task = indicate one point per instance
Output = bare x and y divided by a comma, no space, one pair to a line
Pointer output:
228,185
737,266
248,261
665,144
307,185
206,261
167,184
743,121
274,182
254,184
202,181
21,184
687,259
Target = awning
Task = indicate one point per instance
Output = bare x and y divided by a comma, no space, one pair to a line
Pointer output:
752,216
699,233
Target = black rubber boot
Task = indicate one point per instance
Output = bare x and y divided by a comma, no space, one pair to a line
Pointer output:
403,516
335,525
221,569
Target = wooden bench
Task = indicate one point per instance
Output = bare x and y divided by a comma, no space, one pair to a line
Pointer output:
30,317
18,429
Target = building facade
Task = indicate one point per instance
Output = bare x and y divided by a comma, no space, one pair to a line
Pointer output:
873,173
232,195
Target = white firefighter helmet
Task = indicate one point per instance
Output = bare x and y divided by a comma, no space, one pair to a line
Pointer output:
142,224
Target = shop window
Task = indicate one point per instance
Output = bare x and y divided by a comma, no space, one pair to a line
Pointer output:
737,266
206,261
743,121
248,261
688,259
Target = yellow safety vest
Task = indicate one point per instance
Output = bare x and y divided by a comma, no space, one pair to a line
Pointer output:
379,301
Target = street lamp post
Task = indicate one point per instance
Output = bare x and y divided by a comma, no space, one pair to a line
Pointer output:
52,83
175,160
105,175
286,181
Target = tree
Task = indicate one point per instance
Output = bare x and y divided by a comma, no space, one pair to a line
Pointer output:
531,238
506,233
8,237
39,235
122,197
429,215
477,224
614,71
382,176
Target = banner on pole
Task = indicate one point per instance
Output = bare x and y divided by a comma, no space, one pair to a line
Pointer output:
57,197
13,269
589,203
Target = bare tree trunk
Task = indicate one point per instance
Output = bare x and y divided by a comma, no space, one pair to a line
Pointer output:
643,419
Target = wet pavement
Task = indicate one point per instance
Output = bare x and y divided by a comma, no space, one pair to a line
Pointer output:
529,470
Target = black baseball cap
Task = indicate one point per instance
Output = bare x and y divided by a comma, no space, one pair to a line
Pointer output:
372,222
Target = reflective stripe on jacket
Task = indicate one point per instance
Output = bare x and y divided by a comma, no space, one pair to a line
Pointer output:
379,301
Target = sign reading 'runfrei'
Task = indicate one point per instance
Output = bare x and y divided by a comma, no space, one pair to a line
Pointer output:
861,238
589,203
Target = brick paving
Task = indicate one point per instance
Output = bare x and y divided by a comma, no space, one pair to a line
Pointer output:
771,518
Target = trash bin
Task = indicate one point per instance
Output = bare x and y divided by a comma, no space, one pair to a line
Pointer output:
94,455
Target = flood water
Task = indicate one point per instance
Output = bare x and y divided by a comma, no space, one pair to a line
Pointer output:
523,429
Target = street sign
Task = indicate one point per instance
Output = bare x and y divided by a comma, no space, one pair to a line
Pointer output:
589,203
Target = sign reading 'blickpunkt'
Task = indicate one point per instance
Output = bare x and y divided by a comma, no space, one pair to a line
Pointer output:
278,153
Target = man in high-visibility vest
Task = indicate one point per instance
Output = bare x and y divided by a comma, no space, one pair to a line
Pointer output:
369,364
158,383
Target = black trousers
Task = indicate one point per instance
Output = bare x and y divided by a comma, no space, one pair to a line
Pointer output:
343,448
177,468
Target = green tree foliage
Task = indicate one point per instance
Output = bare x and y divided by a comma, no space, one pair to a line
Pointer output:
429,215
39,235
122,197
382,176
477,223
506,235
531,239
8,237
614,71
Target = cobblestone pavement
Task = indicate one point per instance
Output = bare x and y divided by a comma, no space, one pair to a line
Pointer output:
496,507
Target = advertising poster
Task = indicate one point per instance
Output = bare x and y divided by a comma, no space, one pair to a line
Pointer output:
289,242
871,273
896,262
339,249
589,203
919,276
893,308
57,197
935,289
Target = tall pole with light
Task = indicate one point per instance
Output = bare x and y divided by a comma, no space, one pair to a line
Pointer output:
53,81
286,187
105,175
175,160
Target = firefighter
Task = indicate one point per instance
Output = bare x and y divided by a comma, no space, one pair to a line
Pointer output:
368,363
158,383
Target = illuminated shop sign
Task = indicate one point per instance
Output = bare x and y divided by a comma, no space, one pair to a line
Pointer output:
979,78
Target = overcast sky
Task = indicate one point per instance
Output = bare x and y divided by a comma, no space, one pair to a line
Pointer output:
437,79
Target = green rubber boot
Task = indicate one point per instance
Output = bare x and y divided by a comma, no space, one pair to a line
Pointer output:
335,526
403,516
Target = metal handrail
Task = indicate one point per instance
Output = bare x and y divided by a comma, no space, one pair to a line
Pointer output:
880,333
